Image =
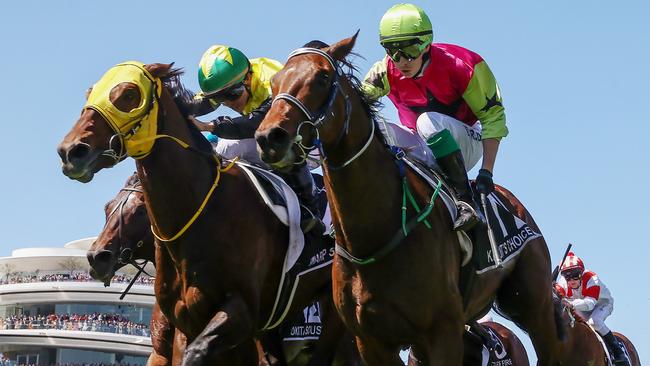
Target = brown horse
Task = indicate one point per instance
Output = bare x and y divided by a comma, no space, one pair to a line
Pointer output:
394,296
127,237
582,347
131,110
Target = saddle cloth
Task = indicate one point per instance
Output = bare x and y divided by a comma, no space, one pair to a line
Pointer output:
300,259
511,232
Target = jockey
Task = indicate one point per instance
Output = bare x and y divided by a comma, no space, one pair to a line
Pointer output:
441,91
227,76
582,290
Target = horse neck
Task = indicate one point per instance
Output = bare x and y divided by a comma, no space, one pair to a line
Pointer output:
366,191
175,180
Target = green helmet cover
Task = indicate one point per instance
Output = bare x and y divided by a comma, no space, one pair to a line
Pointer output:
405,22
221,67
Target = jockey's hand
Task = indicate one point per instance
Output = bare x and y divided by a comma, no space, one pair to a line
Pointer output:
566,302
484,183
202,126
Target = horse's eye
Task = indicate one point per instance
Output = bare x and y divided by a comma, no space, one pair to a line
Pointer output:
129,94
323,78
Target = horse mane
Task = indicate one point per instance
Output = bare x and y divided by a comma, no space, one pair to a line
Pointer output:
350,70
172,82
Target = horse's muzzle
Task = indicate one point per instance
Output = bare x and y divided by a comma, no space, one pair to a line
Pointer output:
274,145
77,160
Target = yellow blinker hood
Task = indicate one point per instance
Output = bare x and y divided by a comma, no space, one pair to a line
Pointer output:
137,128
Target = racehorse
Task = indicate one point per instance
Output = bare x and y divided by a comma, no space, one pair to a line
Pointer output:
208,219
582,346
391,293
127,237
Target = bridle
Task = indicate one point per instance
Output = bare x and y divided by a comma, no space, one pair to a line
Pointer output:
325,113
125,255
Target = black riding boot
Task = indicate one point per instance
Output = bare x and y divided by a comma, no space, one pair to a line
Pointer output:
302,182
453,166
615,348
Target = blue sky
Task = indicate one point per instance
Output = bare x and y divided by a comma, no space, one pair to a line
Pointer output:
572,75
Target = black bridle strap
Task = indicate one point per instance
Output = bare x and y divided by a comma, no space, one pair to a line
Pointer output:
317,120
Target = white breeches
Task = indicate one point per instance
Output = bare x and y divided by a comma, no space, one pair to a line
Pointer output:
467,137
598,316
245,149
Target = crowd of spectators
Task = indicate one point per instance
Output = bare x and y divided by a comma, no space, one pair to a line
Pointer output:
96,322
74,277
5,362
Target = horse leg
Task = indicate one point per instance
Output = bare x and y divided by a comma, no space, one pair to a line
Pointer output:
231,326
443,345
180,342
332,335
526,297
162,339
375,353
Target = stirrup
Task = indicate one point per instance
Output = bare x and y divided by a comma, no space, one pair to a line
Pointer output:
467,221
310,222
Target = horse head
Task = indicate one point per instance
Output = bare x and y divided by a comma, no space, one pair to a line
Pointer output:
312,104
126,235
117,120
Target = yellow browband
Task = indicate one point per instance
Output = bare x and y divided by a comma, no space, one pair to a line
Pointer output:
137,128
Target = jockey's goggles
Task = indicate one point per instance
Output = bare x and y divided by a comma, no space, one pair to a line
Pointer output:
408,49
572,274
230,94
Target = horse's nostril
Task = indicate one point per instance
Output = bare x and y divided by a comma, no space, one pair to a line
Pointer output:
103,256
78,152
278,138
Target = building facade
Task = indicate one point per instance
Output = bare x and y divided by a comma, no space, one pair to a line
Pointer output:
53,313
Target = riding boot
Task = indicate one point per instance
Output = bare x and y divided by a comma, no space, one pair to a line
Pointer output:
453,166
489,341
302,182
615,348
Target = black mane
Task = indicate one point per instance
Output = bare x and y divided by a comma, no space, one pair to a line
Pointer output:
172,82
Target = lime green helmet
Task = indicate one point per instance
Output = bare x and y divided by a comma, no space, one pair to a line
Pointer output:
405,22
221,67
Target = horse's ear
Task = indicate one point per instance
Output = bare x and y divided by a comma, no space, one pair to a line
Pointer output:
159,70
88,91
341,49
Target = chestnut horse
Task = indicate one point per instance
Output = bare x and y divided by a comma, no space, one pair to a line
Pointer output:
394,295
209,220
582,346
127,237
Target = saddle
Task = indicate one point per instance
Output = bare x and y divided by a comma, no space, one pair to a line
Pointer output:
300,259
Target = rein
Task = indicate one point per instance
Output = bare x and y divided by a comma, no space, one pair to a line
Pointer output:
138,137
325,114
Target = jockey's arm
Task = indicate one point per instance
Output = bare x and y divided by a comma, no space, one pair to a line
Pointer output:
242,127
483,97
375,85
586,304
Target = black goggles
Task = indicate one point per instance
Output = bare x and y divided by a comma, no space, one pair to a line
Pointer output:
408,50
572,275
229,94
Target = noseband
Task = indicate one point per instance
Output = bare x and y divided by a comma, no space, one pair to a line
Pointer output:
326,112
